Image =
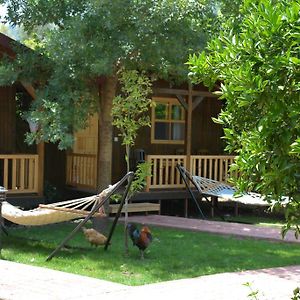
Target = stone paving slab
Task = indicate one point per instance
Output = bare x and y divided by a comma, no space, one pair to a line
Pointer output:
224,228
271,284
19,281
23,282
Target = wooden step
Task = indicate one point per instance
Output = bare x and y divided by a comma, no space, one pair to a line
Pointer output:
136,207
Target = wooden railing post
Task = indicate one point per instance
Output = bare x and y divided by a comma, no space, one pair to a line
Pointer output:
148,178
41,164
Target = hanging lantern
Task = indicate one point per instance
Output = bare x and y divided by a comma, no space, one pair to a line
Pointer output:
33,126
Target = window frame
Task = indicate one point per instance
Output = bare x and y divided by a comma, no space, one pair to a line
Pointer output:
168,120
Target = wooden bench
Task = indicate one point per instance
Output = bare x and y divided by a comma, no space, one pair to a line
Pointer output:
136,207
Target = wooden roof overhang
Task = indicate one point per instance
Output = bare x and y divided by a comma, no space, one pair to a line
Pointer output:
7,46
183,94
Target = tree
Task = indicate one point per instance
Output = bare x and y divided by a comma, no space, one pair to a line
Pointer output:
130,113
85,45
256,62
130,108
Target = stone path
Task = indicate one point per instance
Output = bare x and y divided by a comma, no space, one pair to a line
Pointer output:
224,228
23,282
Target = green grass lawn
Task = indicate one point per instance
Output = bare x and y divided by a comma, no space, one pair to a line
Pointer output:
257,220
174,254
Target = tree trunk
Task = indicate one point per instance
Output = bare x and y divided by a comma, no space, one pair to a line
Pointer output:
107,94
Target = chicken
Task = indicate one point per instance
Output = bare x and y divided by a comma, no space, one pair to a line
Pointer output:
94,237
140,238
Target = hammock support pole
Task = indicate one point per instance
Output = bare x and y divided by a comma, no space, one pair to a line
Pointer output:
1,222
129,176
184,175
125,195
2,198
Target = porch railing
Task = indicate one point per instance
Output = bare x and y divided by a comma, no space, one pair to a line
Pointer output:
214,167
19,173
165,174
82,170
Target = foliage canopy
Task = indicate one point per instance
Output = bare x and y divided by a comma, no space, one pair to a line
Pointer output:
256,62
86,40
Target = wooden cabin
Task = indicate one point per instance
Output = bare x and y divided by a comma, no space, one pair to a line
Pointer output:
182,131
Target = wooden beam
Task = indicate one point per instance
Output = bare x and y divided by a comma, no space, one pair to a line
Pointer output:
40,147
135,207
197,101
182,101
29,88
183,92
188,143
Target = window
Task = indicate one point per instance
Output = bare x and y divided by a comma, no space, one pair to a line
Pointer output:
168,121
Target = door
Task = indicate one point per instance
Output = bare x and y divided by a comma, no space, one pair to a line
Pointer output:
82,160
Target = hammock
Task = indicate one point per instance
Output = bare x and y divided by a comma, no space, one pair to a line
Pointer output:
218,189
67,210
209,188
55,212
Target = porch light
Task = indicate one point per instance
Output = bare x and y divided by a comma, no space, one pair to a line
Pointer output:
33,126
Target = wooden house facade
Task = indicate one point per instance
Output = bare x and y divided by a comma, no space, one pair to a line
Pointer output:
23,168
182,131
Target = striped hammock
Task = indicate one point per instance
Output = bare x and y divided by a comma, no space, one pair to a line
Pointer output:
55,212
218,189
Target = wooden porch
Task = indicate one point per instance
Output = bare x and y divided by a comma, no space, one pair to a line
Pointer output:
164,183
19,173
81,169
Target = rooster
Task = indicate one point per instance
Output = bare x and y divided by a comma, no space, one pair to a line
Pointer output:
94,237
140,238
